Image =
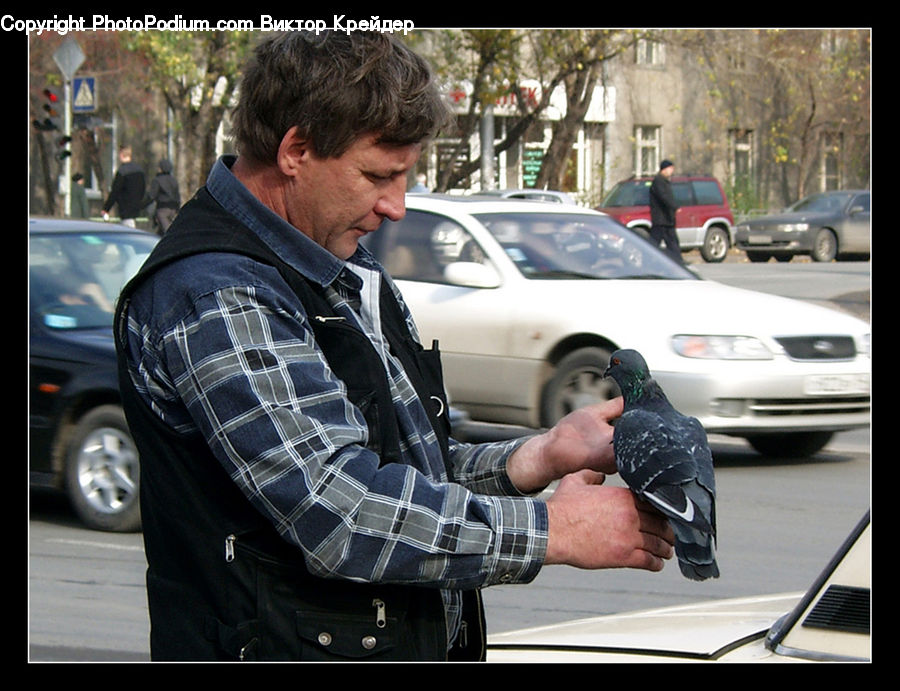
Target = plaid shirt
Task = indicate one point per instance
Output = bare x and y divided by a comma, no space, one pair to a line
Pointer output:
218,344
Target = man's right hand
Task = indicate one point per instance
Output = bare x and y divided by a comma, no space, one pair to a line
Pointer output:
594,526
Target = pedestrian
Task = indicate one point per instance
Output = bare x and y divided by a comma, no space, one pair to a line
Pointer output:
165,195
301,496
420,187
80,207
662,211
127,191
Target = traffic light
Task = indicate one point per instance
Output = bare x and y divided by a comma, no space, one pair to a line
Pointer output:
61,144
52,107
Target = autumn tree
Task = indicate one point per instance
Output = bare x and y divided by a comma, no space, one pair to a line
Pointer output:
197,74
804,93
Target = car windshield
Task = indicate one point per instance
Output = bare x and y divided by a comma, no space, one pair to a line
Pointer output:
822,202
632,193
75,278
546,245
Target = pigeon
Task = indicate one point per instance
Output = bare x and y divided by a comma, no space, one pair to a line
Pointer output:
664,457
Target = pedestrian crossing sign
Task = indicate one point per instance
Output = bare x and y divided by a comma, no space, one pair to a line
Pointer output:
84,94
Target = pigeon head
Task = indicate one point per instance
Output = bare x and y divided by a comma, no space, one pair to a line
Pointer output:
629,370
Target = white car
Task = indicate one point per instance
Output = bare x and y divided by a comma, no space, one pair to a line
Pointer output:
830,622
528,300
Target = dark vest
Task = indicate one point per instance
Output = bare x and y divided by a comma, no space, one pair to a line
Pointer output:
221,583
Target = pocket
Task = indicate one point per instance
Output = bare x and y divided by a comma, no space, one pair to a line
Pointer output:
328,635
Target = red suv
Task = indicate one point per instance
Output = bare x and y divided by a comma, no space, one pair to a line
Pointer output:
703,219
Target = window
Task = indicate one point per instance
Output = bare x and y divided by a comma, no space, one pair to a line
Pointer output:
741,153
649,52
831,160
707,192
646,142
419,247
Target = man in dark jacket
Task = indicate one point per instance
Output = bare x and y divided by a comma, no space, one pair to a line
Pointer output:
127,190
662,211
165,194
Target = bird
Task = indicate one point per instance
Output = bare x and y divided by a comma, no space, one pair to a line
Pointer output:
664,458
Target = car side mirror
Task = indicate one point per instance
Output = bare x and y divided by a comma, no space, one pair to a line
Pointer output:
471,275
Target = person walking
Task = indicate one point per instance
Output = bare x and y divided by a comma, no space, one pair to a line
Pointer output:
164,193
127,190
662,211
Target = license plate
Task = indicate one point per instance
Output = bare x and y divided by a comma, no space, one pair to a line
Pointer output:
827,384
759,239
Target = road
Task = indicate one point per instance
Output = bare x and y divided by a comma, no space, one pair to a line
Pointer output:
779,522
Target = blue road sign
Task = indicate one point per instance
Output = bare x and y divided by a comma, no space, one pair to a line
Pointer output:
84,94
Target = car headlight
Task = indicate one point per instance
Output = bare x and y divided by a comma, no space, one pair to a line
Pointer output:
792,227
721,347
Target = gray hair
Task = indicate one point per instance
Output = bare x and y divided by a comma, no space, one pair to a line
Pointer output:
335,87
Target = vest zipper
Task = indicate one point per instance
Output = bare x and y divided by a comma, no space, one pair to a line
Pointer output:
380,614
229,548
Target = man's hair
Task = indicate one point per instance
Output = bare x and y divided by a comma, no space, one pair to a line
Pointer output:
335,87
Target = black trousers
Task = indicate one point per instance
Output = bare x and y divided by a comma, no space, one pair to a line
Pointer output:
667,235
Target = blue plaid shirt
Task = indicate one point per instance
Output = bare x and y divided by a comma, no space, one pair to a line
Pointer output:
218,343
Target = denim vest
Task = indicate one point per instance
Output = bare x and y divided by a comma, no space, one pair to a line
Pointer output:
221,583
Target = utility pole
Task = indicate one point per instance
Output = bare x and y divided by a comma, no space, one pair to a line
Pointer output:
68,57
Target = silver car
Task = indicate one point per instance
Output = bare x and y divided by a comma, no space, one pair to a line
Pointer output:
826,226
528,301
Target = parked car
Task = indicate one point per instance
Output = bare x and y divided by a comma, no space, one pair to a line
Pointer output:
826,226
831,622
528,301
79,440
703,220
533,194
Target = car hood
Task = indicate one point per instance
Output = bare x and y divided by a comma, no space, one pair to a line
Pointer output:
696,631
77,345
789,217
680,307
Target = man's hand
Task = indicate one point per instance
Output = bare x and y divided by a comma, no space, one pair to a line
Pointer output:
593,526
582,439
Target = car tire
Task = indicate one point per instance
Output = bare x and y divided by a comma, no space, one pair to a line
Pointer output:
578,381
715,245
790,444
824,247
759,257
102,474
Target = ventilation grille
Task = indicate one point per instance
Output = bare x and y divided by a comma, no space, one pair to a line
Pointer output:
842,608
818,347
769,407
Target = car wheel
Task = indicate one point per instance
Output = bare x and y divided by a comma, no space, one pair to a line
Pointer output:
824,248
715,245
102,471
790,444
577,382
759,257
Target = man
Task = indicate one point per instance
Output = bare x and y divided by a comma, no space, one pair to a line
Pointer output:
301,497
127,191
662,211
164,193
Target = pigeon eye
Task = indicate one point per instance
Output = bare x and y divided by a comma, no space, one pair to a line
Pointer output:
616,361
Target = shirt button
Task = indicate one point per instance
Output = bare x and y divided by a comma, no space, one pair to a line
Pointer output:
506,578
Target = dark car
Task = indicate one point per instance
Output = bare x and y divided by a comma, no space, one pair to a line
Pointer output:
79,440
826,226
703,220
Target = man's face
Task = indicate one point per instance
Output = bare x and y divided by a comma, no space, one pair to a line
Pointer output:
667,171
336,201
